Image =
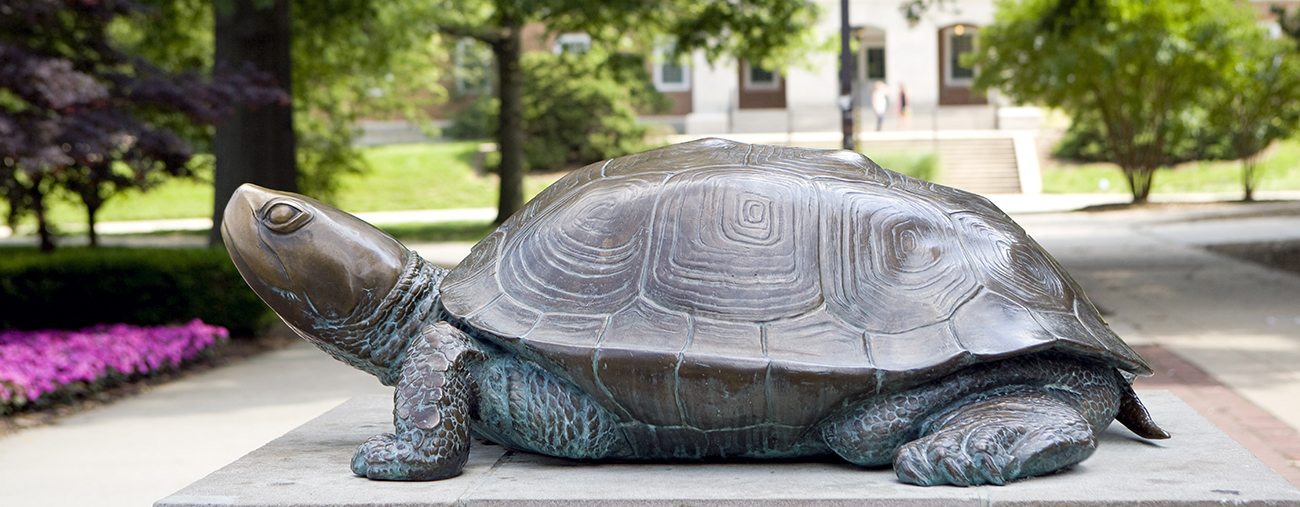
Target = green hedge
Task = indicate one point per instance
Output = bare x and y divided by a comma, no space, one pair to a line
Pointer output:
73,288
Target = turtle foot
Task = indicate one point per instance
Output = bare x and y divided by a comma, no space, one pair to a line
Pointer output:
997,439
430,413
393,458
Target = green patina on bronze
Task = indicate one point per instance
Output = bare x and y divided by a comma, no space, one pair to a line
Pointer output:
711,300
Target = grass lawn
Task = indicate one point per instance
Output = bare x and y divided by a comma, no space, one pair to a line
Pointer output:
1280,171
442,175
402,177
426,176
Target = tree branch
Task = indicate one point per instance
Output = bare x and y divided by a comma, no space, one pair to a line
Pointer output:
490,35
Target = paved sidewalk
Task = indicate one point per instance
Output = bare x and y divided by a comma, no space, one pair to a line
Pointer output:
1236,322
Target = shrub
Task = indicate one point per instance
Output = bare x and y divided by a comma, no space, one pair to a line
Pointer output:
79,287
40,367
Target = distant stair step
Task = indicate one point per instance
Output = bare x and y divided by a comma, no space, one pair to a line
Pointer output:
983,166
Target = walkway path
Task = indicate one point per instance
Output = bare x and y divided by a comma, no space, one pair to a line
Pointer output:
1236,322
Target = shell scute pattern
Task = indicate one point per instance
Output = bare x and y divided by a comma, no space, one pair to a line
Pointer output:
890,262
769,269
840,344
653,398
586,251
683,157
473,284
991,325
1013,264
736,244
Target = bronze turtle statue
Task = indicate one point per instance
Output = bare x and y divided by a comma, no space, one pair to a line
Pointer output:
711,300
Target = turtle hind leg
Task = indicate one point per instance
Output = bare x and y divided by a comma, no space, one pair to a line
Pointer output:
430,412
1010,433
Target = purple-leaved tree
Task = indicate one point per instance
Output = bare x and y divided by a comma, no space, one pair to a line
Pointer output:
78,114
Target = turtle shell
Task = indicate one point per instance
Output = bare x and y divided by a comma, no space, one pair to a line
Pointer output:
715,284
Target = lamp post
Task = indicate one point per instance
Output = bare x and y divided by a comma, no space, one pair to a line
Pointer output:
846,77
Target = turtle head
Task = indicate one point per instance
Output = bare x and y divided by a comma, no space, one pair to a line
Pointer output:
331,276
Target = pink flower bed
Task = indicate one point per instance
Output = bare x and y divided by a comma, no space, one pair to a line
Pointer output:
35,363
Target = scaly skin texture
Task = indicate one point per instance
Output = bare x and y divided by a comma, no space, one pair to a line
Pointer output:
988,424
525,407
431,412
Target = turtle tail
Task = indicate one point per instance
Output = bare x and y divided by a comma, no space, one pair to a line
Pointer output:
1135,417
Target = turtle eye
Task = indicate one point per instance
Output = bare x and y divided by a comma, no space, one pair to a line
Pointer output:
284,217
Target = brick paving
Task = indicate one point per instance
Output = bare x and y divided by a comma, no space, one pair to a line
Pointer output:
1272,441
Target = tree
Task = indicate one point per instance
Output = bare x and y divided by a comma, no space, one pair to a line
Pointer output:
578,108
79,114
253,145
1258,101
350,59
762,31
1288,22
1143,67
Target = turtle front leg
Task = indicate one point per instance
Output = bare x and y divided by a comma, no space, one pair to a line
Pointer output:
431,407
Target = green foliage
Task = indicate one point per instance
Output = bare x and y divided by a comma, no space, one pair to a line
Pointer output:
78,287
1142,67
1257,101
478,121
578,109
769,33
352,59
355,59
1086,140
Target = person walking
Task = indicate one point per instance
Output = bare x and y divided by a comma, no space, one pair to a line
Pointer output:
904,110
880,103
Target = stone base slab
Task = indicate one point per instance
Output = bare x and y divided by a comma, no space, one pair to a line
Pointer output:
1199,466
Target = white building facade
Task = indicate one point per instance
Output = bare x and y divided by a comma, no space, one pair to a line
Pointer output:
921,60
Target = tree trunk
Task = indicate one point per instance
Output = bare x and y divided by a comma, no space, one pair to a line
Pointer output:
91,198
90,222
510,121
1139,183
1248,177
42,225
253,146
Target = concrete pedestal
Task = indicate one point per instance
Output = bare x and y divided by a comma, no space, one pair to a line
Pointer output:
1199,466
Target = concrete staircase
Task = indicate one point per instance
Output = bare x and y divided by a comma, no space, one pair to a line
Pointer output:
983,166
980,161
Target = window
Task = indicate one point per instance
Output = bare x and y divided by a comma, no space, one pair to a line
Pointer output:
760,79
670,76
876,63
960,40
576,43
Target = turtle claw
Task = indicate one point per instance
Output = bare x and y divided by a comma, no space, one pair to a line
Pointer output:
373,455
390,457
943,458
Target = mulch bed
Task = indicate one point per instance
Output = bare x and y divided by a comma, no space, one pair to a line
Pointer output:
1283,255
